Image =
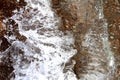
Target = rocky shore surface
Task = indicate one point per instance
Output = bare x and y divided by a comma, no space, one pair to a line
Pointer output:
93,26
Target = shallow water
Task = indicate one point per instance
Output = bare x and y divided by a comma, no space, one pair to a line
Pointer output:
47,49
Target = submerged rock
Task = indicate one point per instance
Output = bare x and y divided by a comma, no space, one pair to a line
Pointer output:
86,20
7,8
112,14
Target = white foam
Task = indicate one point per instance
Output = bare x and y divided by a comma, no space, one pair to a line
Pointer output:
44,55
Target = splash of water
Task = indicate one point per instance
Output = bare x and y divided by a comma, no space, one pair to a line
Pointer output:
43,55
